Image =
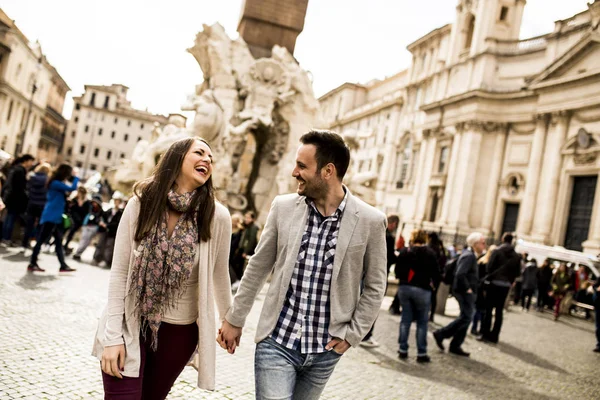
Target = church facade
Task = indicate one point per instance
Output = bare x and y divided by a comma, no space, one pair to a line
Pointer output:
486,132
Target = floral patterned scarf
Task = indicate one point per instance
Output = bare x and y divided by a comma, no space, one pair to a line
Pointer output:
163,264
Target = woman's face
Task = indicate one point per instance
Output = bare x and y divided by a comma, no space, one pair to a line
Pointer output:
197,166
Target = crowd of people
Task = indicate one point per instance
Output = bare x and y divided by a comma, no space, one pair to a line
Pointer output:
51,206
483,282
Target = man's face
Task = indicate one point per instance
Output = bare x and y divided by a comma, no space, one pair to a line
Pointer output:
479,247
310,182
392,226
248,219
28,164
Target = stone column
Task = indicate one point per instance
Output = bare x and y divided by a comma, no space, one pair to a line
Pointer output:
449,192
544,210
532,180
465,175
422,199
489,209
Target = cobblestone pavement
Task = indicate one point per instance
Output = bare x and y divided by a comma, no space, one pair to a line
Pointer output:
47,323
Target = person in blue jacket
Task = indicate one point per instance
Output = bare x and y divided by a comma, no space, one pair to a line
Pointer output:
52,221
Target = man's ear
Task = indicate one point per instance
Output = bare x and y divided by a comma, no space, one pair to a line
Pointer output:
328,171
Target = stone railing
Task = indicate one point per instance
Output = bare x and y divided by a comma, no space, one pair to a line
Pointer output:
513,47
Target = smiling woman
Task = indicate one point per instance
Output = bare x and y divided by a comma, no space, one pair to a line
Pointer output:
171,264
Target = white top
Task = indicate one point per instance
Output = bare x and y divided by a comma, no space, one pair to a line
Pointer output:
118,324
185,310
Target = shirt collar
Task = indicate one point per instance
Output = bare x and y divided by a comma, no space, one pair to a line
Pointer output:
338,212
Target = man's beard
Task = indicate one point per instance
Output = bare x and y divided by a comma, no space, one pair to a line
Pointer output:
316,188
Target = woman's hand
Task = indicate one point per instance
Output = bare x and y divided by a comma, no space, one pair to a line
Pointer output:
113,360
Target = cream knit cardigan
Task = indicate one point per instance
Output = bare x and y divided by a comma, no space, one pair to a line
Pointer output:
117,324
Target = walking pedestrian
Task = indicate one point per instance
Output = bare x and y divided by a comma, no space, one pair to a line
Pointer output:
434,242
464,288
37,187
93,221
318,246
393,221
504,267
170,267
418,271
236,260
77,209
51,220
529,284
248,241
15,195
106,243
482,265
544,278
596,289
561,283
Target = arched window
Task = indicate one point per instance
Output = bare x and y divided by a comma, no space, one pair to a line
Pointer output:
470,24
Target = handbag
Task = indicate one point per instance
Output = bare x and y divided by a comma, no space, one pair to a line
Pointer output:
67,221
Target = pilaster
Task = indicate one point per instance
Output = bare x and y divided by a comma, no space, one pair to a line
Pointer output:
545,210
532,180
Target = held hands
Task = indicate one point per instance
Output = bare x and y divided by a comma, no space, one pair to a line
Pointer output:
337,345
229,337
113,360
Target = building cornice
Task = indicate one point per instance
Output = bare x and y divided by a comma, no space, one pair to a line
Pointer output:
387,101
340,88
431,35
133,113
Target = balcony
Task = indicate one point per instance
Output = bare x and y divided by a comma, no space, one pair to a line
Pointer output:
517,47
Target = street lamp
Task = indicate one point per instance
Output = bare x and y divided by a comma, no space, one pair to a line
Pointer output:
21,144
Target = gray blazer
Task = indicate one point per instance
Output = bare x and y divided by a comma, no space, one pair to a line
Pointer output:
360,253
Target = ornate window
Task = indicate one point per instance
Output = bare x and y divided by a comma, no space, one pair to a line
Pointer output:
470,25
403,163
444,151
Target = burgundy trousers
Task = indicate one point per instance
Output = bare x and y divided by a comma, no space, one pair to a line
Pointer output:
158,369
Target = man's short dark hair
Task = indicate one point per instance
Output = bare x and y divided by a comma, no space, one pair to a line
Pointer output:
252,214
24,158
393,218
331,148
507,238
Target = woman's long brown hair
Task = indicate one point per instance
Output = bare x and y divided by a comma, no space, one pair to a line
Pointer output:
153,192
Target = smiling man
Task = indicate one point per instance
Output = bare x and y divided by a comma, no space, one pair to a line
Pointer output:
320,243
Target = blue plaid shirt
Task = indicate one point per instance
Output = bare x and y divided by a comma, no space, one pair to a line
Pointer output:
303,323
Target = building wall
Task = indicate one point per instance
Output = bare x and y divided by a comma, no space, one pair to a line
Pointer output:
503,113
98,138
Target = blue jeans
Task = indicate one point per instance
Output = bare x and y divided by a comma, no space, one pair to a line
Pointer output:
457,329
281,373
415,307
9,224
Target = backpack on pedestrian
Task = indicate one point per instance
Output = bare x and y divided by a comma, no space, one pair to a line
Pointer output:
450,271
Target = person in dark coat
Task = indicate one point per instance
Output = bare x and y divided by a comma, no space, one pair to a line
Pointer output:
236,261
544,277
37,186
77,209
482,265
106,243
418,272
464,287
529,283
596,299
248,241
393,221
15,194
504,267
436,245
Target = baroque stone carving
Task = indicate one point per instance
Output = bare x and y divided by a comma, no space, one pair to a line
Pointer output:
586,158
250,111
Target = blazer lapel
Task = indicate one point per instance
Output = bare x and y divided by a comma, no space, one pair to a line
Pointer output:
349,220
297,224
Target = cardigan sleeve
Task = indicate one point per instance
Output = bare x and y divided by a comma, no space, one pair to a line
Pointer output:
221,280
113,331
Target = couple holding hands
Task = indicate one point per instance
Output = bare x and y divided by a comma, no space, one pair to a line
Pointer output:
324,247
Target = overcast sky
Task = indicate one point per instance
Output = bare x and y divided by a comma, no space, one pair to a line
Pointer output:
142,43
